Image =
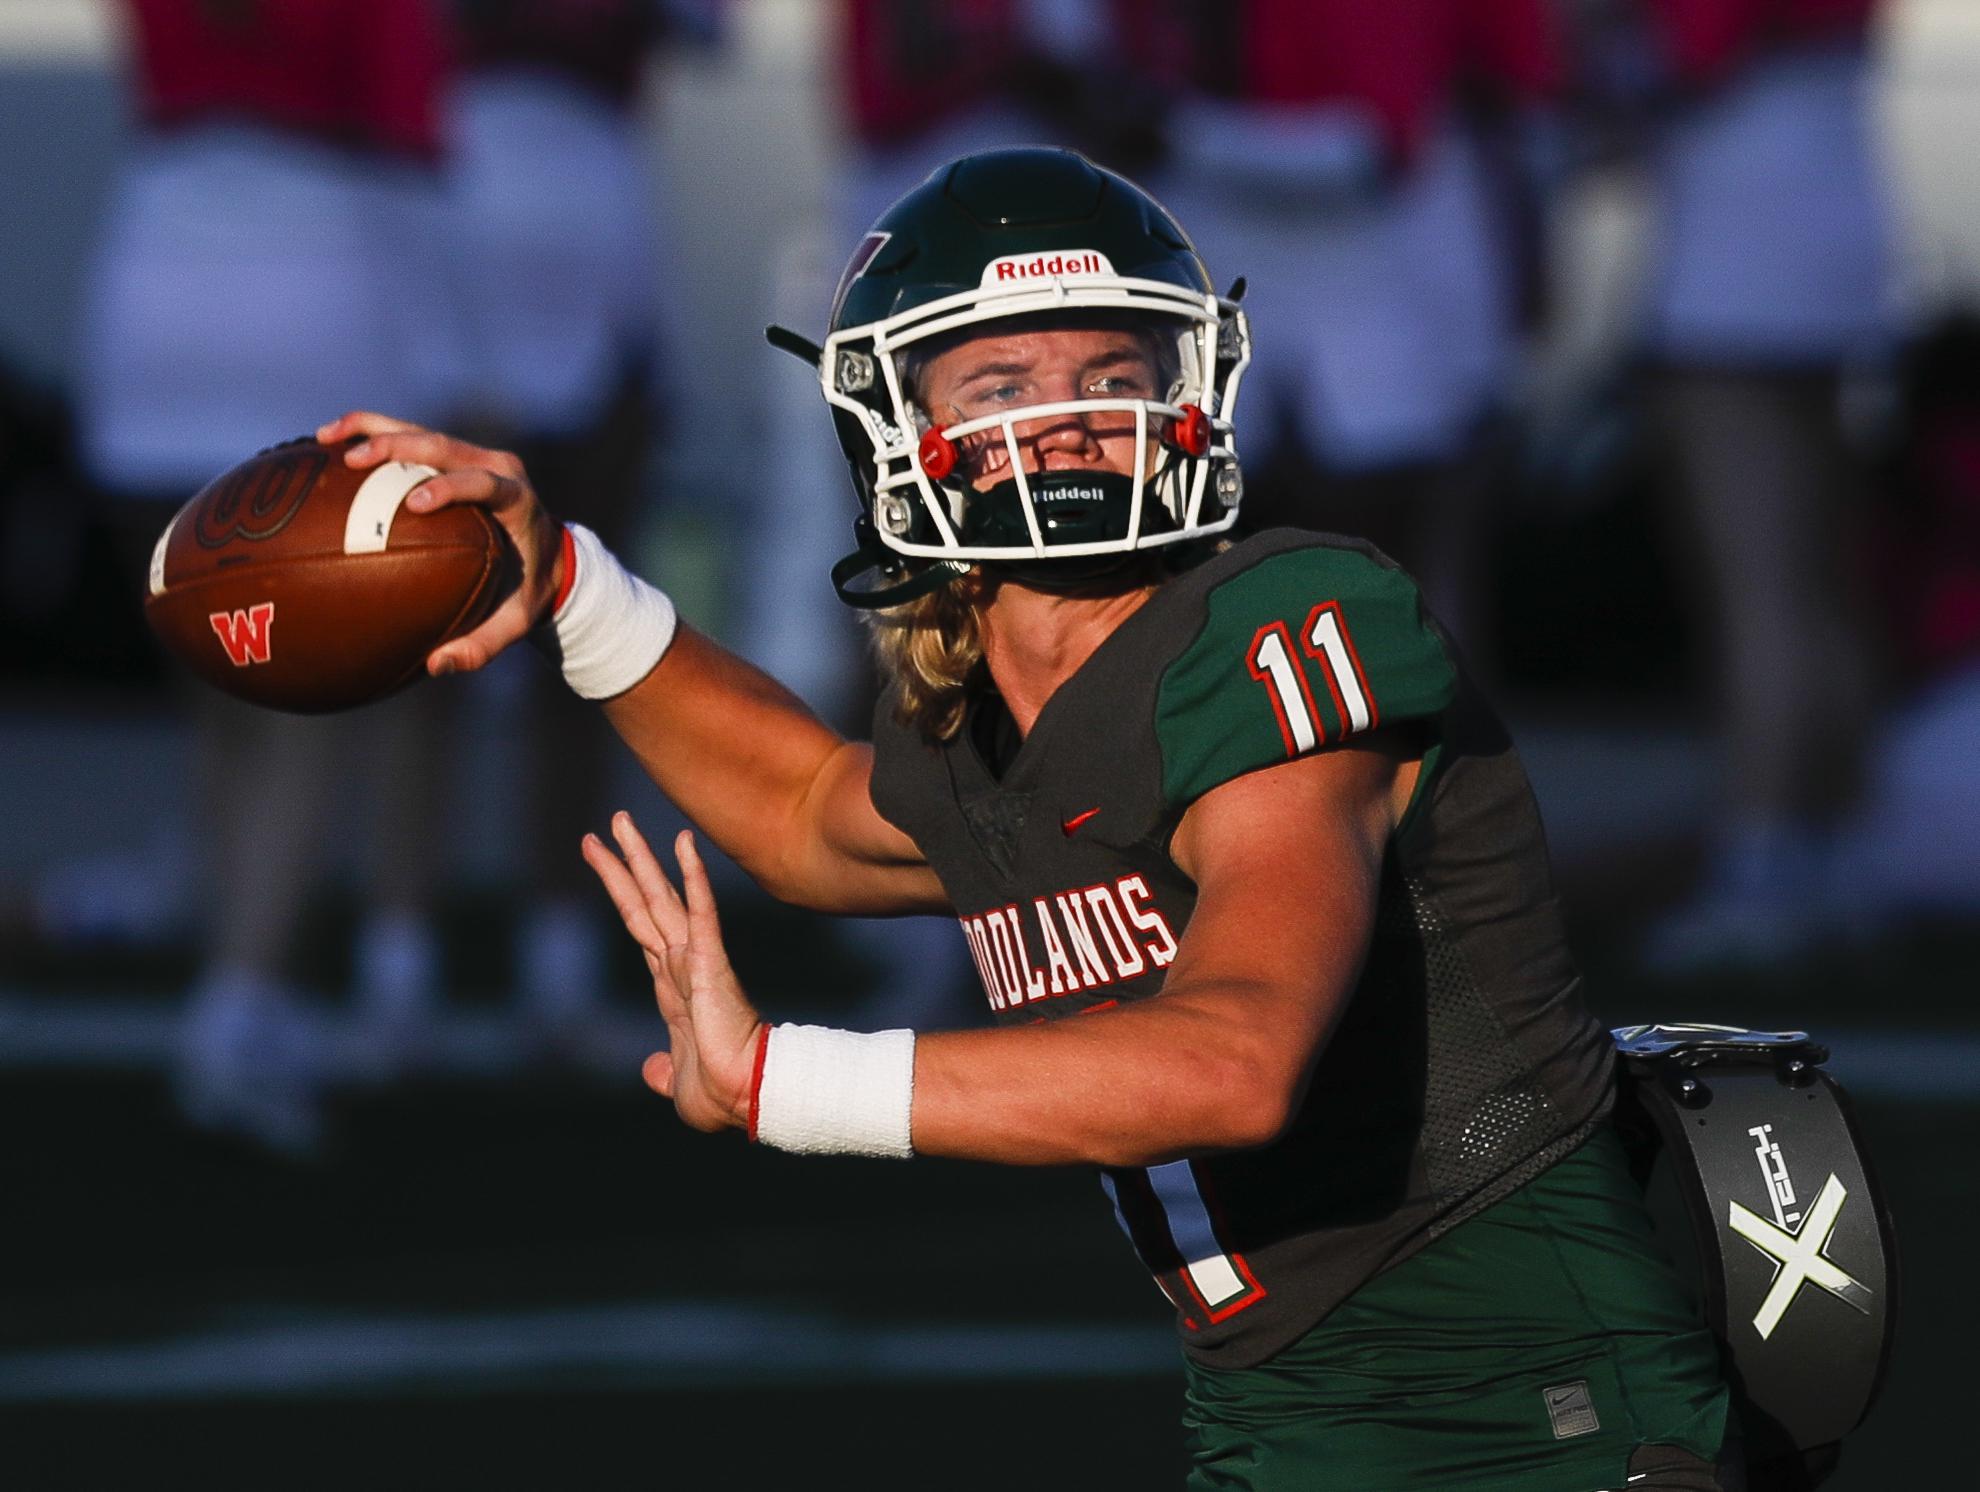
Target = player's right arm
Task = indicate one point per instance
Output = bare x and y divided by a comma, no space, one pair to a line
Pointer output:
775,786
779,790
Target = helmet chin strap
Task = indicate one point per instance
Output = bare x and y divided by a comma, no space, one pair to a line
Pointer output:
876,598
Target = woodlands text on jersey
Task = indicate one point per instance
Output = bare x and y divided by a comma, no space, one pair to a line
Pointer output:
1084,938
1464,1064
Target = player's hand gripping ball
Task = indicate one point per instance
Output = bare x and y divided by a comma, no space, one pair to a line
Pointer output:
296,582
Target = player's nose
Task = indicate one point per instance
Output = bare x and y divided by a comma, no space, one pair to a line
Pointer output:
1068,431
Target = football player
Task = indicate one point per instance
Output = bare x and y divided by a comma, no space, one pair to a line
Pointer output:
1253,878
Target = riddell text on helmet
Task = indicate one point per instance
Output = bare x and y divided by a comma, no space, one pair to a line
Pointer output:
1065,265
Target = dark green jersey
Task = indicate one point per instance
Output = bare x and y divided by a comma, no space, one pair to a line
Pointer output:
1464,1063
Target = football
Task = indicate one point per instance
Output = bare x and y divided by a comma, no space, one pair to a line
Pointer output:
296,582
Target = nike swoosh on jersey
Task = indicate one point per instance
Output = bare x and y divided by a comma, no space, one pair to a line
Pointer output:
1071,825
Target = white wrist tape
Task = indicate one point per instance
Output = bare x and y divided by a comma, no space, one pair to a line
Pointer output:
612,626
827,1092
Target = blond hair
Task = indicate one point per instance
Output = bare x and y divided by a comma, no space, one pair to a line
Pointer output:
928,649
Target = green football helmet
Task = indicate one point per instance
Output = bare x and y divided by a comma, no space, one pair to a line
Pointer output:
1033,237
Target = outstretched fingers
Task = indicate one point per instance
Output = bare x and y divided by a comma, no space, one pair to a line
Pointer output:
662,901
704,924
663,962
627,899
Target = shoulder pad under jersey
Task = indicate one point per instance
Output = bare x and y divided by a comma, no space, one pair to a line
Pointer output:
1298,650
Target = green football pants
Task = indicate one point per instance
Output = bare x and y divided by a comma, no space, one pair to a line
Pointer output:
1533,1348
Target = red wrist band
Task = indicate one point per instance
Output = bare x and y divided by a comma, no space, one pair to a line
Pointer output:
756,1079
568,549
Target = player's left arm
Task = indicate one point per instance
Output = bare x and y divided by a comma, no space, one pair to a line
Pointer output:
1287,863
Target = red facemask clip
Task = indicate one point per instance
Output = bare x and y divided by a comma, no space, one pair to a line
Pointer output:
938,454
1191,433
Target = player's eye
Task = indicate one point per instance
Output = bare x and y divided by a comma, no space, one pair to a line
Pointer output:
1116,386
988,397
1130,382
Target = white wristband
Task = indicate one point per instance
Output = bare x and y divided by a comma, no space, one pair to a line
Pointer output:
611,627
819,1091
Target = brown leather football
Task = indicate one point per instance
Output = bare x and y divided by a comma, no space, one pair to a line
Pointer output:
296,582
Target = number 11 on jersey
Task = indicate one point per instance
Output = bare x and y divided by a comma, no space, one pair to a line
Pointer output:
1275,663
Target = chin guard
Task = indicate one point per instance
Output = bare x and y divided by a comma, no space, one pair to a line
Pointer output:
1795,1244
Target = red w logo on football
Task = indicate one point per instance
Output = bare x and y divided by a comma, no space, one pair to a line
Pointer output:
244,634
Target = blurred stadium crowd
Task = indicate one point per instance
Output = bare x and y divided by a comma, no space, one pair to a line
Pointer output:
1634,327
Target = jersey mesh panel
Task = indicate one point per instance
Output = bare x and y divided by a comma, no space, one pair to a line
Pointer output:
1485,1121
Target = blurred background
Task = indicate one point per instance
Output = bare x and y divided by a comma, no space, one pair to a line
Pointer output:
1647,332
